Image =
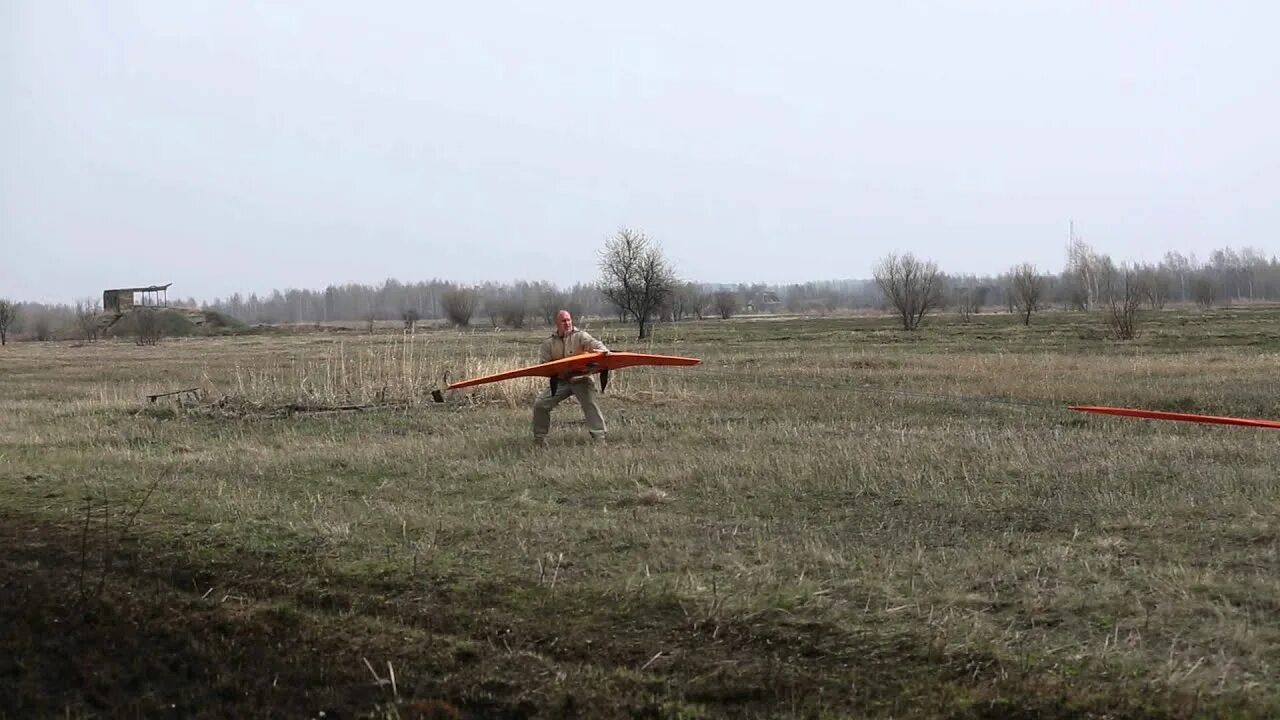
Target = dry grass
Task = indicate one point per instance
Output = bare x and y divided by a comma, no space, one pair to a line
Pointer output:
826,473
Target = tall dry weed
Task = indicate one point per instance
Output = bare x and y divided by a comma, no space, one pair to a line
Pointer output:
404,370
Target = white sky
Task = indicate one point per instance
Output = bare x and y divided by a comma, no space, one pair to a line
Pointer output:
237,146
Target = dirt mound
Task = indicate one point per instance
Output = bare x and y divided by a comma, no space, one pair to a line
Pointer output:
173,321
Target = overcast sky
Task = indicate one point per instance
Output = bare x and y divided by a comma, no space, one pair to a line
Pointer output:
238,146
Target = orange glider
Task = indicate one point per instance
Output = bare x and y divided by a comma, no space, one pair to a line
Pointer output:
581,364
1190,417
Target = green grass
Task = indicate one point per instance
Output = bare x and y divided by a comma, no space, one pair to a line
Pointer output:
829,517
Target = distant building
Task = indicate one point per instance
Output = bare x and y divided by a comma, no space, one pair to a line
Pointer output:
122,300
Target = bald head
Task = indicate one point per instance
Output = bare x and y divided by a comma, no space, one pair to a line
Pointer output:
564,322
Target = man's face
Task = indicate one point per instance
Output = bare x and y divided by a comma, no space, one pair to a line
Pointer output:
564,322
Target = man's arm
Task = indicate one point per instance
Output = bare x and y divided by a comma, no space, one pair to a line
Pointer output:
592,344
544,352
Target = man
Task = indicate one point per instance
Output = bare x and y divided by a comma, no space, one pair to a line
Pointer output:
565,341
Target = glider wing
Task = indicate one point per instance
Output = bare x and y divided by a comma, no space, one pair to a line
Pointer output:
1162,415
584,363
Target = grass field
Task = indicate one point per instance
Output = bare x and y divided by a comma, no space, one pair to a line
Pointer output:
828,518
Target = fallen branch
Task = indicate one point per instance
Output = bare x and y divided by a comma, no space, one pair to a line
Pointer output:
154,397
290,409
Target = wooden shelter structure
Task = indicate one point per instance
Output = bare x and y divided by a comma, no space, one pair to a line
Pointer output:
121,300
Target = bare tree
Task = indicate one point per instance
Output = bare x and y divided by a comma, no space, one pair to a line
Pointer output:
959,299
87,318
685,300
1177,267
8,313
584,299
726,303
1081,278
1204,290
635,277
1027,287
410,317
147,327
912,286
459,305
979,297
969,301
513,310
491,303
550,302
1123,294
39,326
698,300
1155,285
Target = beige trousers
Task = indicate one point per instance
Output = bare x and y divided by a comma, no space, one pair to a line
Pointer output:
584,389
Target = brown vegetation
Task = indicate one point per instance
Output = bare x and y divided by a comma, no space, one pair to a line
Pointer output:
896,526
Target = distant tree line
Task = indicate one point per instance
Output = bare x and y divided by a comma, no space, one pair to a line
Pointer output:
491,303
1088,281
528,303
